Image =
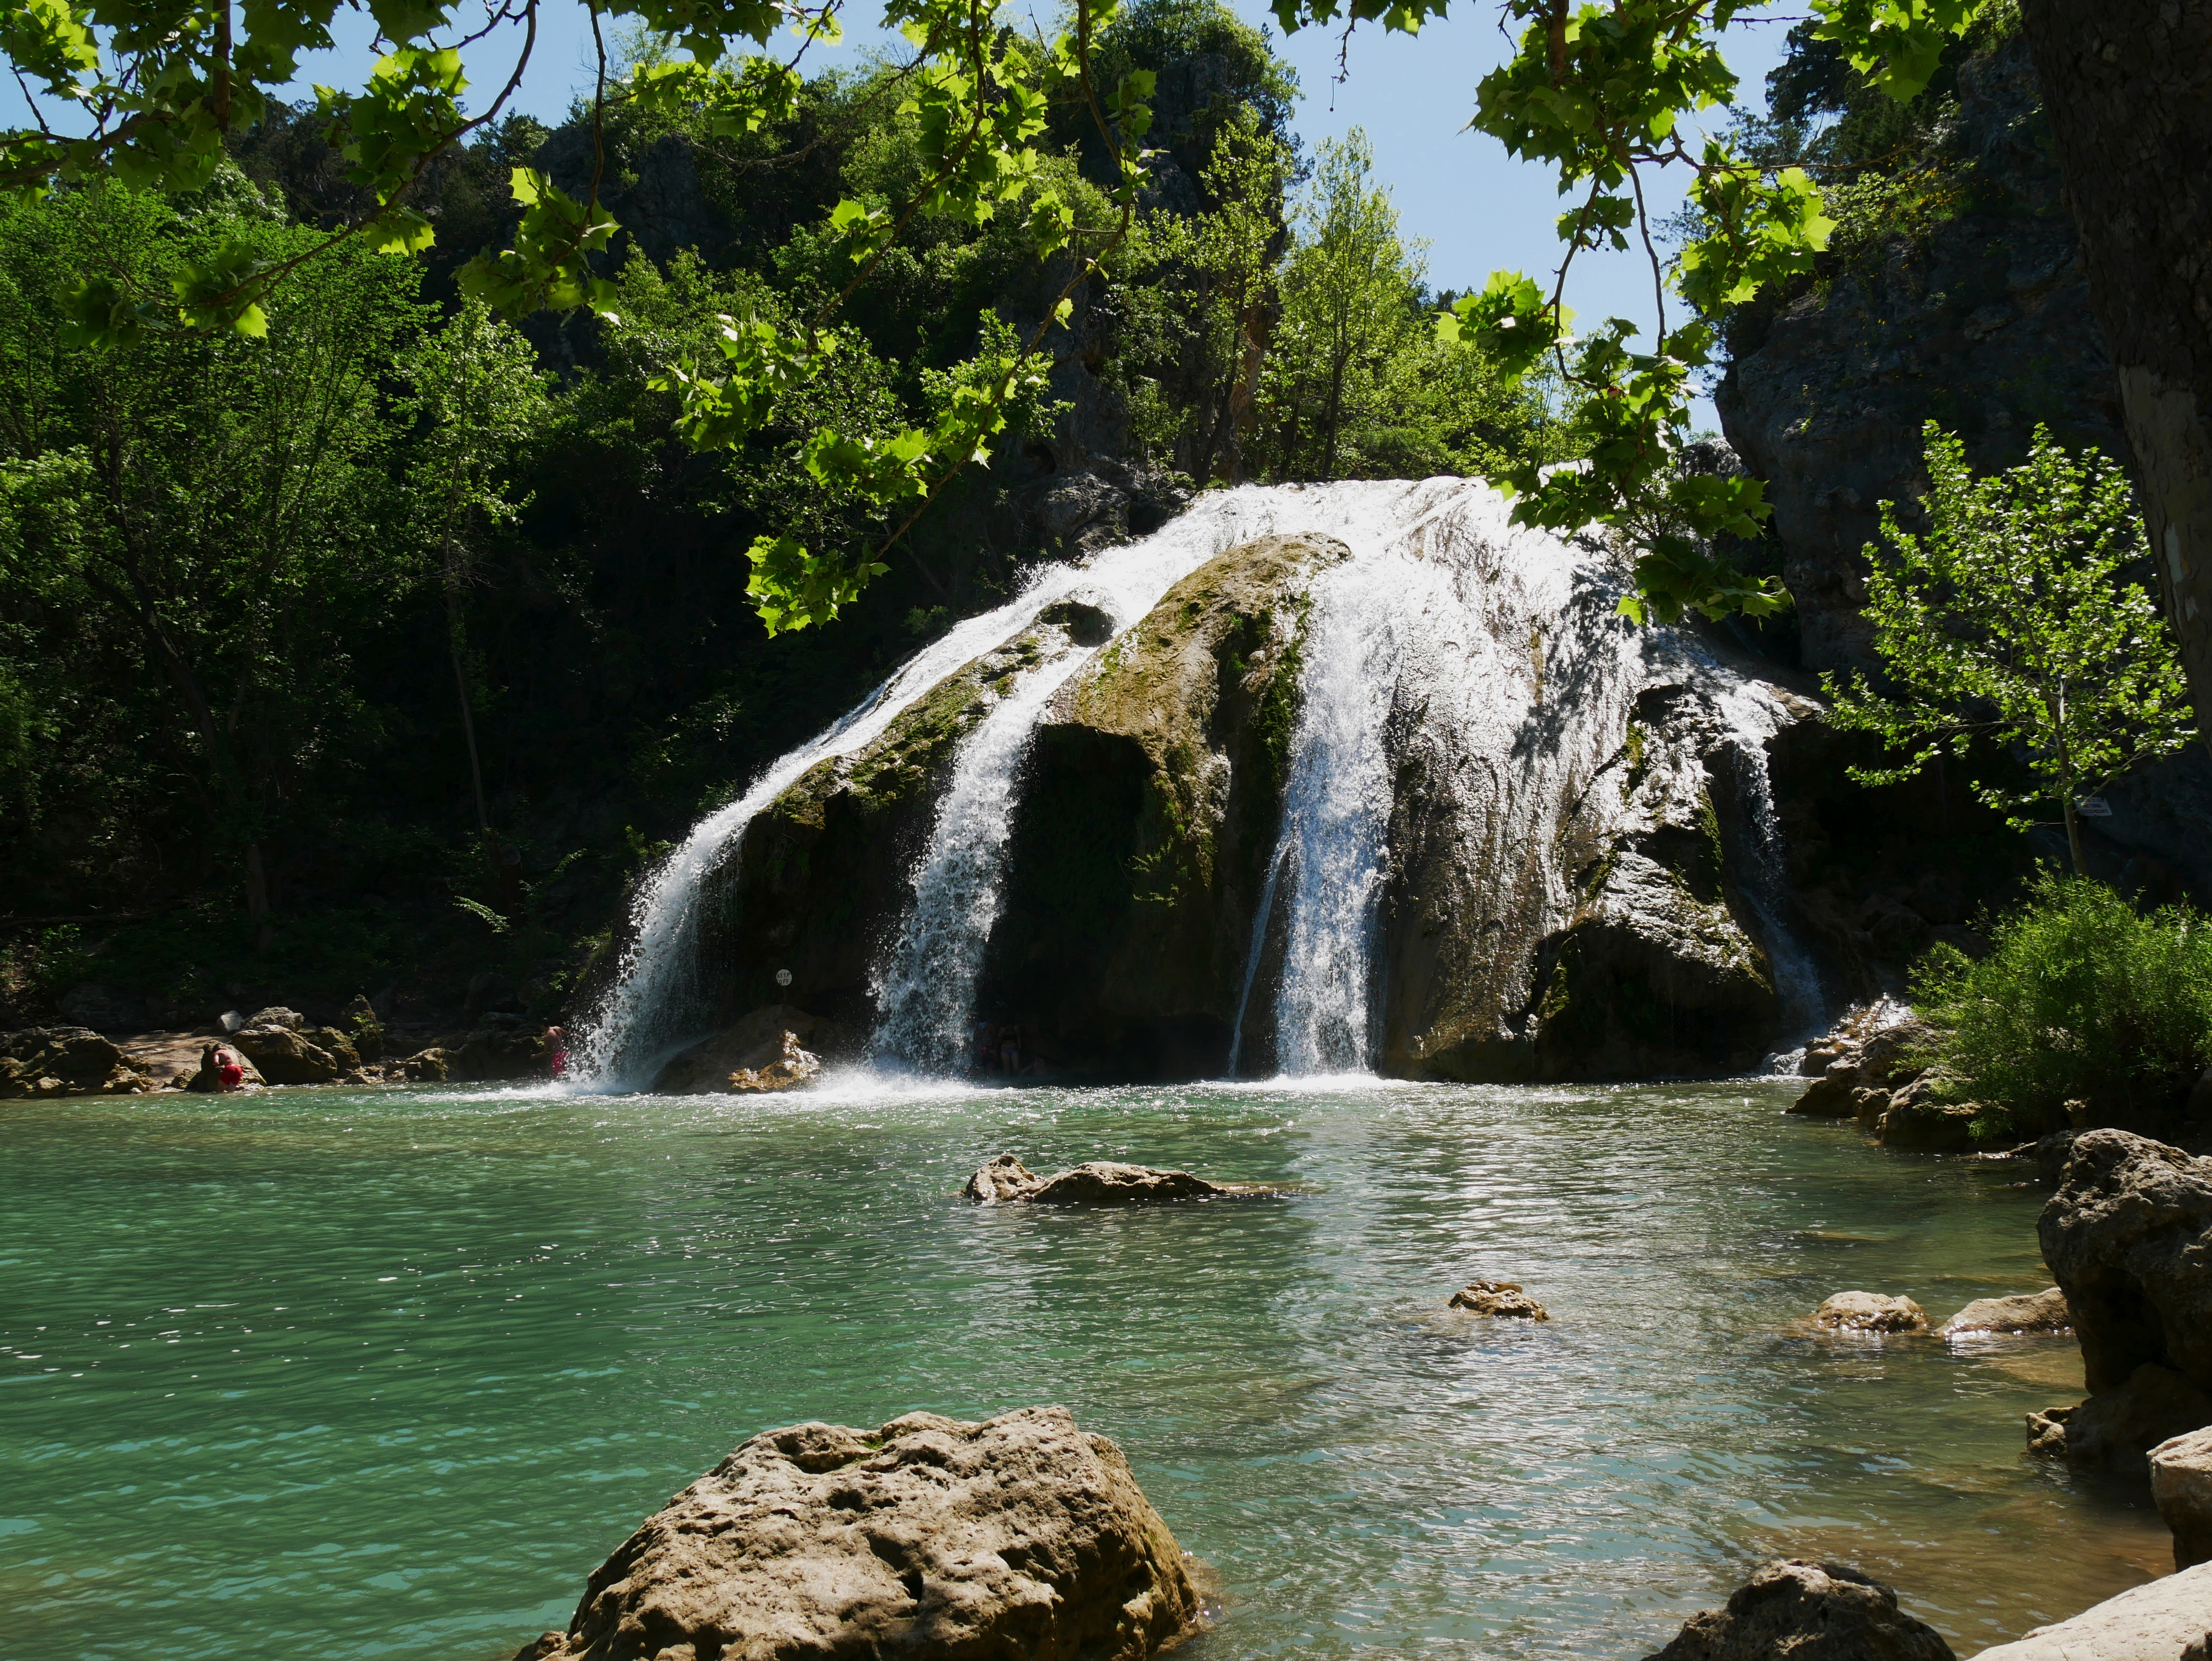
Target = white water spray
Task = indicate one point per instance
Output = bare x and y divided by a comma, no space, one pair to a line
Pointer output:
657,1002
925,993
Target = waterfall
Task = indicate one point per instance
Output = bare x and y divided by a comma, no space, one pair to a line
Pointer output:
1336,811
1766,887
657,1003
925,993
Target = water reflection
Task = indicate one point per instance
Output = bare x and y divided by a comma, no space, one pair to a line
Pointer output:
388,1374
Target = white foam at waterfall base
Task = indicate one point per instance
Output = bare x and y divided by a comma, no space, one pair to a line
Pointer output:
925,993
657,1003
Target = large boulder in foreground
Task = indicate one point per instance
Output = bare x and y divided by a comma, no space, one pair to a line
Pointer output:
1006,1181
1806,1611
2164,1621
2128,1239
927,1540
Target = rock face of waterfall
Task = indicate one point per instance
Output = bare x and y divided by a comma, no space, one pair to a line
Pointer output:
1366,777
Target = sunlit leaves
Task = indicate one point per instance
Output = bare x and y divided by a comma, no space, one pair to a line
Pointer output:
1896,43
2007,621
549,266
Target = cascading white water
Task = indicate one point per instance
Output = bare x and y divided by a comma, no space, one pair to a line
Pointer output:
1766,887
925,993
656,1004
1336,810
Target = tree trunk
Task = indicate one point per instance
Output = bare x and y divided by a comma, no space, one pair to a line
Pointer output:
2074,834
2128,87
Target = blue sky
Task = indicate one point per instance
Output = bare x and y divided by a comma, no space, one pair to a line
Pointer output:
1479,209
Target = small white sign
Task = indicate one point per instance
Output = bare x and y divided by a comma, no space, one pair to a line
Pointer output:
2093,808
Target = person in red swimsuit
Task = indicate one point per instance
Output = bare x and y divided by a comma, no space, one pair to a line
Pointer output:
556,1052
228,1074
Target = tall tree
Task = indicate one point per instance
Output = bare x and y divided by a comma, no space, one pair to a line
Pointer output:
477,399
218,500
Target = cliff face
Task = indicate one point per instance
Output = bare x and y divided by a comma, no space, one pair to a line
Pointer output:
1980,320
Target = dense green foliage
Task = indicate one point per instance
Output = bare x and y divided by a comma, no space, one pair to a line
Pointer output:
396,605
2008,622
1598,94
2080,1000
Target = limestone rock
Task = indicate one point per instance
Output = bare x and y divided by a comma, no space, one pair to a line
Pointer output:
2165,1621
2128,1239
2181,1483
1001,1181
1917,1119
278,1015
826,867
1006,1181
2115,1429
792,1067
2032,1312
1869,1311
756,1041
1499,1298
1807,1611
929,1539
1874,1048
283,1055
368,1031
502,1050
65,1060
425,1066
1139,848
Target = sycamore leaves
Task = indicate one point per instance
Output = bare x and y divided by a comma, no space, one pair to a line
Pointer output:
1895,44
2008,620
549,267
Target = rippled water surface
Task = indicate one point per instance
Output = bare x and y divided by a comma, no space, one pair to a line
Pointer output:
388,1374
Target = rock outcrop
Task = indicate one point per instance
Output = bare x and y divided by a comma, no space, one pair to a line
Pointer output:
1499,1298
1880,1067
761,1042
822,872
1148,816
1006,1181
2034,1311
2128,1239
929,1539
1807,1611
1869,1311
2181,1483
39,1061
2115,1429
284,1054
2168,1620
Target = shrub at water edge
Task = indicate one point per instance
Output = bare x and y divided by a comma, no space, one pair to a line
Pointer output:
2082,999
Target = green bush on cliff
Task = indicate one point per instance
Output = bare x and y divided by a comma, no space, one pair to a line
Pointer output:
2081,999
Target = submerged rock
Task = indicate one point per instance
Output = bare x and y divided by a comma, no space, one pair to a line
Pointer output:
65,1060
2115,1429
1806,1611
1869,1311
2167,1620
763,1042
1006,1181
1499,1298
2032,1312
929,1539
2128,1239
2181,1483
